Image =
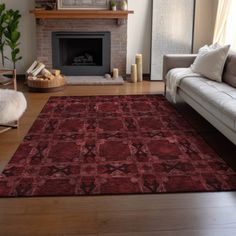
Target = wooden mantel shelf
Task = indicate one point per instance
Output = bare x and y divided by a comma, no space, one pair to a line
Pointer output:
80,14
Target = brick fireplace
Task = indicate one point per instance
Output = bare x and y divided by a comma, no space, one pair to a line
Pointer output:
118,37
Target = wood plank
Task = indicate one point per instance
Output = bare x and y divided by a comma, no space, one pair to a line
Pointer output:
167,220
42,224
80,14
218,232
60,205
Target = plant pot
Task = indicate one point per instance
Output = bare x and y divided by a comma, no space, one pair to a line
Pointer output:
124,6
113,8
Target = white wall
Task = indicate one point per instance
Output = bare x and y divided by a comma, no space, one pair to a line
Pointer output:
139,32
27,29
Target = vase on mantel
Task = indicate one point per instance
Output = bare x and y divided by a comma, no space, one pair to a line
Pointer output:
124,6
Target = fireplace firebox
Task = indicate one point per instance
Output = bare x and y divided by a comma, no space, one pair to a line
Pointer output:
81,53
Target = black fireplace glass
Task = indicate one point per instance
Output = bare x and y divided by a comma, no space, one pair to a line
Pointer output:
80,53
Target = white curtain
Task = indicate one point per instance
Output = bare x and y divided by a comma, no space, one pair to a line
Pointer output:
225,30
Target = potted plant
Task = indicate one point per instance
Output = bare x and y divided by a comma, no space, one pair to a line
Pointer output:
113,5
12,35
9,34
124,6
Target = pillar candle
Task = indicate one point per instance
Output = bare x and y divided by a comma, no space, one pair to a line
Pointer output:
139,62
115,73
133,73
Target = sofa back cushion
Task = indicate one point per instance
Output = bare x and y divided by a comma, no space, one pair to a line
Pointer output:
229,75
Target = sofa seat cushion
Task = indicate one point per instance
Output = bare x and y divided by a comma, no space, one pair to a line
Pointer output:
218,98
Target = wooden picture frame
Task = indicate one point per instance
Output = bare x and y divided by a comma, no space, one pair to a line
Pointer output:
83,4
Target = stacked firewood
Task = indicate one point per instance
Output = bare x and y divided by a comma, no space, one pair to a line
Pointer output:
38,71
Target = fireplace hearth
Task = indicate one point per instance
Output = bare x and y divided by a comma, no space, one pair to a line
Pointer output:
81,53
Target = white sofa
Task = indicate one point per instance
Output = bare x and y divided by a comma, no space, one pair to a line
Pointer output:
215,101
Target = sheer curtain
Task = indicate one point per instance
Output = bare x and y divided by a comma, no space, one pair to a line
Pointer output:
225,30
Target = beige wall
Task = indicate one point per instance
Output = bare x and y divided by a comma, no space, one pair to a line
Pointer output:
204,22
139,29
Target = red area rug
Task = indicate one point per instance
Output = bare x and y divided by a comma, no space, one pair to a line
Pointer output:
113,145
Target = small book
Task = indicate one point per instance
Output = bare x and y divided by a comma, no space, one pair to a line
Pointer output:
40,66
35,63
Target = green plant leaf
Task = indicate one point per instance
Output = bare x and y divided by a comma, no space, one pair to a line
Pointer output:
18,59
14,25
7,58
2,7
15,36
17,50
7,34
14,53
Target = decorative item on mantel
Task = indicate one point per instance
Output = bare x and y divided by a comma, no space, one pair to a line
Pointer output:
113,5
139,62
80,9
124,5
134,73
82,4
45,5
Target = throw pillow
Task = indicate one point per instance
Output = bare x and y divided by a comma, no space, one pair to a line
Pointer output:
210,63
208,48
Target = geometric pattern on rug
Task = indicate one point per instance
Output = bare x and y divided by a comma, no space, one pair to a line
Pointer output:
113,145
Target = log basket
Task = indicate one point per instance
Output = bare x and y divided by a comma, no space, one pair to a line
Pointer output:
44,86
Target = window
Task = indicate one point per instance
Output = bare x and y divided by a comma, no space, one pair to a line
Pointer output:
225,30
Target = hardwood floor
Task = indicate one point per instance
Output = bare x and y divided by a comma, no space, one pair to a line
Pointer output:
196,214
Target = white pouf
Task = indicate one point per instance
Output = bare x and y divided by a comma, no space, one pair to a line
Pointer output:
12,105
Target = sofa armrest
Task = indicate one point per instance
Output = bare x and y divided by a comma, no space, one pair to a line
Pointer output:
171,61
